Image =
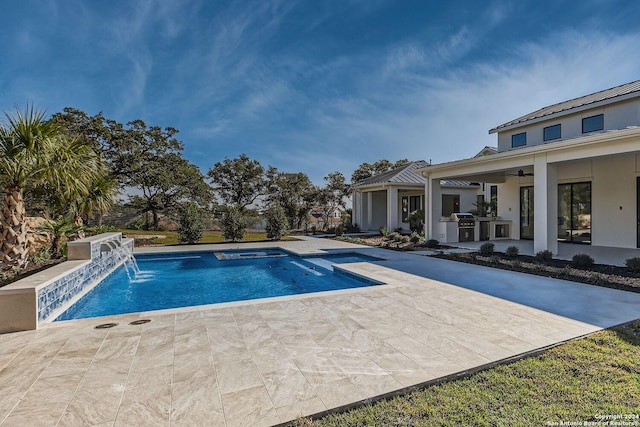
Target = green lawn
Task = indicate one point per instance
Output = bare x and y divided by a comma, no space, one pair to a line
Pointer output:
573,383
207,237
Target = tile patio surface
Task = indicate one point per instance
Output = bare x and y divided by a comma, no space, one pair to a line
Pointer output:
266,362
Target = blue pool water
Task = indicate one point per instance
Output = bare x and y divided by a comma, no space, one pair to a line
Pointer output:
188,279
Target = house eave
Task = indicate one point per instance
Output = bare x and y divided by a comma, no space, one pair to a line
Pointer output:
580,142
385,185
563,113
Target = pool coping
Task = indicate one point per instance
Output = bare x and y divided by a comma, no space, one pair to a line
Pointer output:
351,270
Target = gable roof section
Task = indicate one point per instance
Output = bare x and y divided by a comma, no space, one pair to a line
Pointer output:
603,95
402,175
487,151
407,175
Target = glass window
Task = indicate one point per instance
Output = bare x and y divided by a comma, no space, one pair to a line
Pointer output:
405,208
415,203
450,204
526,213
494,194
519,139
551,132
593,123
574,212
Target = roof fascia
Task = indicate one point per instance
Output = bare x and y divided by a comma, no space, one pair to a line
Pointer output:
563,113
528,152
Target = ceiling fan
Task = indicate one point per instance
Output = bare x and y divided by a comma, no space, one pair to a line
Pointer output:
520,173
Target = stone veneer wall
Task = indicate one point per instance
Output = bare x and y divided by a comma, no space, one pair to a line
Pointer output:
55,295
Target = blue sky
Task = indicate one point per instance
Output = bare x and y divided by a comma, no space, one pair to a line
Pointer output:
316,86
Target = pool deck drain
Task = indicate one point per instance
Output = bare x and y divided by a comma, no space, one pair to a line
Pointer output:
261,363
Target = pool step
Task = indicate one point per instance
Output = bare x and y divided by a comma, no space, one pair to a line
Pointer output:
227,256
320,262
307,269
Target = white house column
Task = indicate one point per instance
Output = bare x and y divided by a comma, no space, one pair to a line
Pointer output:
432,208
357,208
369,210
545,197
392,208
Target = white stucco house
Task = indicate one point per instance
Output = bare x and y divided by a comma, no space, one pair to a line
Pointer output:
386,200
569,172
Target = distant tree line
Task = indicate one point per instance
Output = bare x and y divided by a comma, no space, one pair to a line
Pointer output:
74,169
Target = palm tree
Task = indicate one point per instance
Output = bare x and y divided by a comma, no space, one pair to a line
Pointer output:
60,231
102,191
34,152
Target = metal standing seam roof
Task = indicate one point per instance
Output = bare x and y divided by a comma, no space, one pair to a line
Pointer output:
404,175
603,95
451,183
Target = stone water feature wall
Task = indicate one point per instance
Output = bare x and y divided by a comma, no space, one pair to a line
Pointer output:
106,252
43,296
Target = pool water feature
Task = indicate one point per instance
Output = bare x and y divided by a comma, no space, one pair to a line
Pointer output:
199,278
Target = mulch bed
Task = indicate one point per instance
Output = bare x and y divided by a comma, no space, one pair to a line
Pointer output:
31,268
608,276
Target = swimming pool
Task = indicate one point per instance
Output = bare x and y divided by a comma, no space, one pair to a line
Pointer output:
198,278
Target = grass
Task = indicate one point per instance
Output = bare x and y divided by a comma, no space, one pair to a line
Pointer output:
573,383
171,237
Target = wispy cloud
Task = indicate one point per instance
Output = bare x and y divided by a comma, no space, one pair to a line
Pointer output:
297,85
445,115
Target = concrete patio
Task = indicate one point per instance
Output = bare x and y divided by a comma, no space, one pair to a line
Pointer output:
265,362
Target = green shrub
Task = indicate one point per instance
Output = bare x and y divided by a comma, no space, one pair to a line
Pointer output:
487,249
415,237
190,224
353,228
405,239
396,237
633,264
545,255
384,231
432,243
42,254
512,251
277,225
398,230
233,224
582,261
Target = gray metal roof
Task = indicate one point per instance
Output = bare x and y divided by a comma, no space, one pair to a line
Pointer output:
405,175
608,94
451,183
402,175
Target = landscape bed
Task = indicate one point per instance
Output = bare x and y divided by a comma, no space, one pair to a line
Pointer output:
608,276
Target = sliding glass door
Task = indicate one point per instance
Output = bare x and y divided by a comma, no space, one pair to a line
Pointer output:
526,212
574,212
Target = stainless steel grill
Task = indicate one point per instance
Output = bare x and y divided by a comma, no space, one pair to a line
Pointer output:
464,219
466,226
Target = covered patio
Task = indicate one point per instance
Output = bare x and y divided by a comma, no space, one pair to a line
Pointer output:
582,190
386,200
